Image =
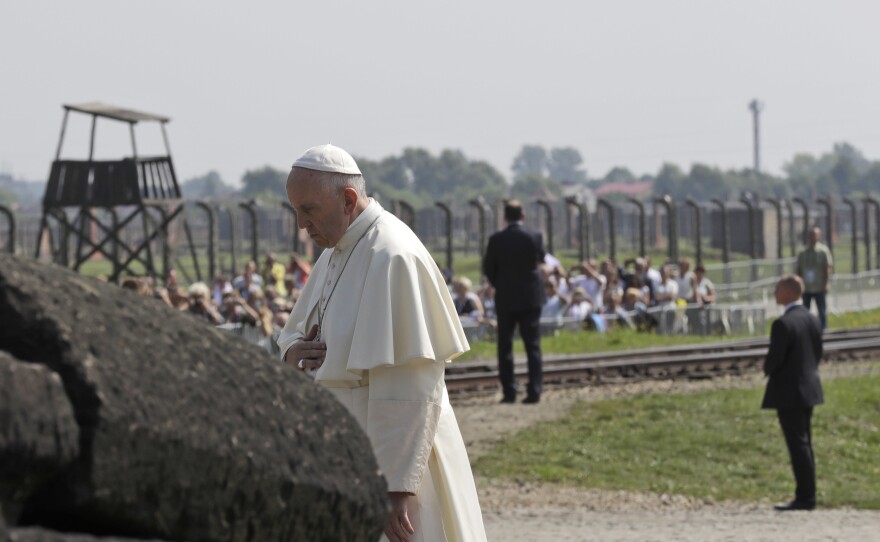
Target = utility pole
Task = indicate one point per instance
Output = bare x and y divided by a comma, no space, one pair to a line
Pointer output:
755,106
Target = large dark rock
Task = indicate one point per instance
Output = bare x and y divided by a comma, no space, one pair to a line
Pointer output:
38,433
43,535
185,433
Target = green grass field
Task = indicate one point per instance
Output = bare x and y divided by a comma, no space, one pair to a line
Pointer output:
716,445
577,342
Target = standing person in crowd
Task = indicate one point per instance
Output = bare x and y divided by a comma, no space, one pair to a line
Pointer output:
513,264
793,387
377,322
814,266
704,289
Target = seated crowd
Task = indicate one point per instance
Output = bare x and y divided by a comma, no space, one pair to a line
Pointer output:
257,297
589,293
262,297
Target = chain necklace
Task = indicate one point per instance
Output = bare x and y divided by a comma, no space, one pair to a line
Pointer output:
326,302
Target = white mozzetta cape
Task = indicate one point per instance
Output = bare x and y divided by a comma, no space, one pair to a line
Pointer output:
390,306
390,325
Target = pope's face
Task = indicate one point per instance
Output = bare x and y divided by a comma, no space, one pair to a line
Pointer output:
319,211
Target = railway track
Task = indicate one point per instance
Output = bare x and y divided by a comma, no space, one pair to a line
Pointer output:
698,361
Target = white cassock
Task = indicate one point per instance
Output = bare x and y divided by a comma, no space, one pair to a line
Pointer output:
390,327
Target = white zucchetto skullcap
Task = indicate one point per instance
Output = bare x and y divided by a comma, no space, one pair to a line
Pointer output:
328,158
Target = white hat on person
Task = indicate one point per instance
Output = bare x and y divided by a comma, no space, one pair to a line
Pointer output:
328,158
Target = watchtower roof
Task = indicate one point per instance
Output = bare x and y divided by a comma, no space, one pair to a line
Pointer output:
117,113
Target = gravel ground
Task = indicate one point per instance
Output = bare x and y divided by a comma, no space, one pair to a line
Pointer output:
520,511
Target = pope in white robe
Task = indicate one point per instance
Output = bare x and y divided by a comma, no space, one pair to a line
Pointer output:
377,322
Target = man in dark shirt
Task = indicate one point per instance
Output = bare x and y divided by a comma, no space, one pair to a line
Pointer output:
793,386
512,264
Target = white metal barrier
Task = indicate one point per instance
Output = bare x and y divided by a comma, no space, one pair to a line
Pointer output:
693,319
742,309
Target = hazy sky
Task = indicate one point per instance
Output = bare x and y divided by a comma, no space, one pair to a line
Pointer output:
255,83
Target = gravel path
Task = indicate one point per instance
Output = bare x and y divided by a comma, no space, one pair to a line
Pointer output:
515,511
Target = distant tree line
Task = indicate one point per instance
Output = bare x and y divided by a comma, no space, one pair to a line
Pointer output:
421,178
415,176
843,172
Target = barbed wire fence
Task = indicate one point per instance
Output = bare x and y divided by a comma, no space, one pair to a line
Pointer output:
747,244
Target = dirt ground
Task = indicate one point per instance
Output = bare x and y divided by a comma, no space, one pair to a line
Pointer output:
514,511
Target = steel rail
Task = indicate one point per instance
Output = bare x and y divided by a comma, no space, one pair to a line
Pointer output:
693,362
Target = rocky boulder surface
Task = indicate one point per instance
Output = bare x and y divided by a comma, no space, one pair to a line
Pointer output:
182,432
44,535
38,432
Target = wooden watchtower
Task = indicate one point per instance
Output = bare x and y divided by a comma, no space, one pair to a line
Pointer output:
122,189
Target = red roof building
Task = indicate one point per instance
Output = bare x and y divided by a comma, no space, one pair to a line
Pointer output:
626,189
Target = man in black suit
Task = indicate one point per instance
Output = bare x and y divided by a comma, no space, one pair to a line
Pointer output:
793,388
512,264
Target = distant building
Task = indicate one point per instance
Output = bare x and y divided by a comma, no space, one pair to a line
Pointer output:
631,190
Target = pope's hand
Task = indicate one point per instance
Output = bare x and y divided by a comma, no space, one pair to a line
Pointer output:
398,528
307,353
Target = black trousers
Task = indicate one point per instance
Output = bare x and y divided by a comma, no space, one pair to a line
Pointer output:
820,304
795,424
528,321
